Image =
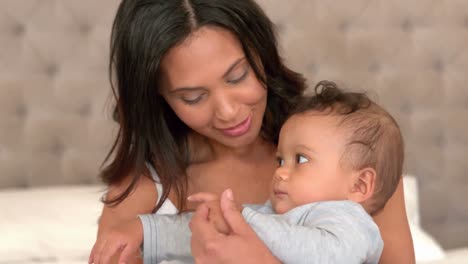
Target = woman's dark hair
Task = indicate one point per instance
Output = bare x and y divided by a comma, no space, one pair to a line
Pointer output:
150,132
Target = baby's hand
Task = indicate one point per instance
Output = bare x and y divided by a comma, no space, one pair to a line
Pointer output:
126,238
215,216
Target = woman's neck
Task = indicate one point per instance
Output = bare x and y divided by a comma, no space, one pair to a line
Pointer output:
247,171
203,149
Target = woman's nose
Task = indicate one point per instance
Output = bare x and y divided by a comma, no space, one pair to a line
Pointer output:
226,107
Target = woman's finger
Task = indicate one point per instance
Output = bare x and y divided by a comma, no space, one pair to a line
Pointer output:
202,229
232,215
205,238
203,197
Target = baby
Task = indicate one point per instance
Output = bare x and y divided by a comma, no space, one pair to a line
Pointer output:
340,159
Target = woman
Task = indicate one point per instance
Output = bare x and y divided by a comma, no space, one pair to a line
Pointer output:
201,95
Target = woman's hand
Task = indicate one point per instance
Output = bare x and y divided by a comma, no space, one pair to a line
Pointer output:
240,246
394,227
125,238
215,216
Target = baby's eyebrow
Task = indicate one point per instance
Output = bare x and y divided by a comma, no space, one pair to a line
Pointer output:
278,154
307,148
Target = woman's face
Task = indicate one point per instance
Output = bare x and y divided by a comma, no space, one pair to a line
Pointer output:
211,87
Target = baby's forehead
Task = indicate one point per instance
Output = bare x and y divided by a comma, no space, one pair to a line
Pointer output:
318,122
314,130
314,117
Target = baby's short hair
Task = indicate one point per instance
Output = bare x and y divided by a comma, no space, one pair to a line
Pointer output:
374,137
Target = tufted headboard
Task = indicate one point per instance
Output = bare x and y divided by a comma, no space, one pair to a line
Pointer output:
412,56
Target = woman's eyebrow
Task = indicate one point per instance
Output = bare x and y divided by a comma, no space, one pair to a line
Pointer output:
195,88
187,89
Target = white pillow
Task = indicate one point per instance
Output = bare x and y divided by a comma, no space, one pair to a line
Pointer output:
48,224
426,247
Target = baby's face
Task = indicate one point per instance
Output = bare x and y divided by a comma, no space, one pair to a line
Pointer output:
309,151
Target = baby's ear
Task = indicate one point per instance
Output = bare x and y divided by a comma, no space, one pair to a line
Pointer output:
363,185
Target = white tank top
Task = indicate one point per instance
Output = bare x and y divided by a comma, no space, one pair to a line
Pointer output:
167,207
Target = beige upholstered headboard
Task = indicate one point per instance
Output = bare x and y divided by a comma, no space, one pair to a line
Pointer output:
55,124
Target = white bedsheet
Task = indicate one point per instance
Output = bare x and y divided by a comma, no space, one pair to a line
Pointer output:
58,226
48,225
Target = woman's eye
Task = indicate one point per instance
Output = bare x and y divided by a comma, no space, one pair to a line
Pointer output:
301,159
280,161
192,100
238,79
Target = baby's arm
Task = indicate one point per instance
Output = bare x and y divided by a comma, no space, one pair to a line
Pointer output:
329,235
166,237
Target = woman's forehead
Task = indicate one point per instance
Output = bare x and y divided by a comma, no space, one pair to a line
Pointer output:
207,51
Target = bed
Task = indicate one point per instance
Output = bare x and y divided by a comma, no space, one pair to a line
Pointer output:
57,225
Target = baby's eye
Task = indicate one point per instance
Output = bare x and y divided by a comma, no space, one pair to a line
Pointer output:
301,158
280,161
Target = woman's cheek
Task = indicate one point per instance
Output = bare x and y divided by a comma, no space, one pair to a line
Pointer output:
194,117
254,93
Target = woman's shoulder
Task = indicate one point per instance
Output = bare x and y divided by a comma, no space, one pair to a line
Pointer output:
167,207
141,199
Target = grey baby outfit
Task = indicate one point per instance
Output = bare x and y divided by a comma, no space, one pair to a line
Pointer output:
320,232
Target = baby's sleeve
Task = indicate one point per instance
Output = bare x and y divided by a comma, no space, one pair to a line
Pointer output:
166,237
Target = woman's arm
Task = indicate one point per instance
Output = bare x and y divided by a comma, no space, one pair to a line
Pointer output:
140,201
394,227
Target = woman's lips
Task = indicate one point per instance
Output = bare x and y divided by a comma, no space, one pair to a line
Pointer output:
239,129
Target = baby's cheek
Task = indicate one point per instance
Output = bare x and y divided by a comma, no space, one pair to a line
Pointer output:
281,207
274,204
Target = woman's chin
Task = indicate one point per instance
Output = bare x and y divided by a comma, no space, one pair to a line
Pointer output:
241,141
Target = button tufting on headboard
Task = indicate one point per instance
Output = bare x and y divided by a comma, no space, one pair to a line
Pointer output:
18,29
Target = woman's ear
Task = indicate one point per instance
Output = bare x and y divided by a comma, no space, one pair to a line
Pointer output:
363,185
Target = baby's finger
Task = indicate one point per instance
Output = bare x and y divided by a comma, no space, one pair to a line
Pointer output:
91,255
97,251
110,250
202,230
200,215
127,253
203,197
